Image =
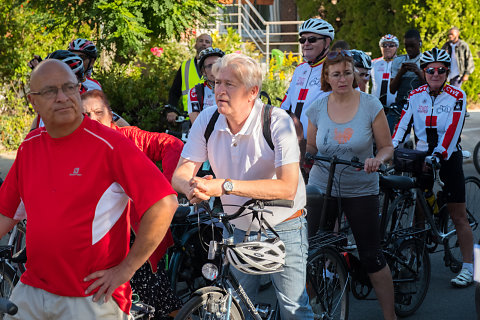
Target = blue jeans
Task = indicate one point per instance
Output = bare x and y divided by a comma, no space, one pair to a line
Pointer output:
290,283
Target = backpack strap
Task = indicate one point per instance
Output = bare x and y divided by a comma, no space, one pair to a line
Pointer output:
210,126
267,120
200,91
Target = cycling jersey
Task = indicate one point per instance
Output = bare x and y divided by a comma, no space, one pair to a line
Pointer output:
208,99
304,89
381,76
91,84
437,121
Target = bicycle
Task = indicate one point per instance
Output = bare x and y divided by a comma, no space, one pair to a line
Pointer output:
217,301
476,157
333,270
186,257
441,229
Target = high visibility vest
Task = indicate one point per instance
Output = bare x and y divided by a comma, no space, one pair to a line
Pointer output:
190,78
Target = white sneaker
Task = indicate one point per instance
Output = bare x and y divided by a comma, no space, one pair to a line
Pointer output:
463,279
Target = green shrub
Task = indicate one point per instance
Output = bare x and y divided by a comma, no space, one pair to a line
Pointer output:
139,90
15,119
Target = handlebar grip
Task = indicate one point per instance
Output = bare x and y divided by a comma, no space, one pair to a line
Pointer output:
279,203
176,134
7,306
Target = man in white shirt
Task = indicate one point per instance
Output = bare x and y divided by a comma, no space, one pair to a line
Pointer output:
246,167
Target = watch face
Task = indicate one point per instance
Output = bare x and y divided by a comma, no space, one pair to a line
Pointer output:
228,186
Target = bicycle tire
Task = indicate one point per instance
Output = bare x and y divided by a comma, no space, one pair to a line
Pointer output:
398,215
210,297
185,272
472,197
476,157
8,280
411,276
328,299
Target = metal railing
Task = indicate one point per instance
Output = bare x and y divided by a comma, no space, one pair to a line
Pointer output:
252,26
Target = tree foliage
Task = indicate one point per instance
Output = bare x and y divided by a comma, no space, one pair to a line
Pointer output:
128,23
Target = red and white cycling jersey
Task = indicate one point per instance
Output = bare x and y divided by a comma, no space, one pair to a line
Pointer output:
304,89
444,113
91,84
381,76
208,99
76,195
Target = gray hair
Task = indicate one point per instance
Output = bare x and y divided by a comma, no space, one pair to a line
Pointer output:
247,70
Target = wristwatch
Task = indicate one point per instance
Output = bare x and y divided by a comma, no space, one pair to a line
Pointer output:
228,186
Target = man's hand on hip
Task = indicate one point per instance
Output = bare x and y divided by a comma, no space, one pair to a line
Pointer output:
108,280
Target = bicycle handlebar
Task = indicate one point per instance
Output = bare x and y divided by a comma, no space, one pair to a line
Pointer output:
255,205
355,162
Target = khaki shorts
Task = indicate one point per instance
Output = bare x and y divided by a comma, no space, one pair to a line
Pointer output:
37,304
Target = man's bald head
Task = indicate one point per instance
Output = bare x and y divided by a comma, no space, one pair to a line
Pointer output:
203,42
54,95
45,68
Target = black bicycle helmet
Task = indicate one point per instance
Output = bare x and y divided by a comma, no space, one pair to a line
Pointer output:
435,55
361,59
74,62
209,52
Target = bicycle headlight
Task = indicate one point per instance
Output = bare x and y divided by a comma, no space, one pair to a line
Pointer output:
210,271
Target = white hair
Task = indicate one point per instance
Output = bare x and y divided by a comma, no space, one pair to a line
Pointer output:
247,70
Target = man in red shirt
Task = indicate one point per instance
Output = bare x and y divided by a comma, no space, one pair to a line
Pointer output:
75,180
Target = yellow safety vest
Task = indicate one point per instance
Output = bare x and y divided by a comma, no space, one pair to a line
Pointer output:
190,78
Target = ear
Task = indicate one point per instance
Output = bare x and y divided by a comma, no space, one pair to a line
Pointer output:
254,92
31,99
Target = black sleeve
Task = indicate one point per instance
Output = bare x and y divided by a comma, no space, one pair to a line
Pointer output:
176,90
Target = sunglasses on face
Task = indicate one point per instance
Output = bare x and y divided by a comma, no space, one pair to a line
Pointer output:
310,39
440,70
334,54
364,75
388,45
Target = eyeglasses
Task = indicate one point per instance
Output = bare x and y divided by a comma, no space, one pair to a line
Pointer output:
388,45
364,75
440,70
68,89
310,39
334,54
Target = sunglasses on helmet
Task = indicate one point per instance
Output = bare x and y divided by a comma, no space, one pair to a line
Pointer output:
440,70
311,39
334,54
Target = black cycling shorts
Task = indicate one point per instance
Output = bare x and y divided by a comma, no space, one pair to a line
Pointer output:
451,174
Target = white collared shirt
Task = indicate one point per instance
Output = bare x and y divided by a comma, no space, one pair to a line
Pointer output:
247,156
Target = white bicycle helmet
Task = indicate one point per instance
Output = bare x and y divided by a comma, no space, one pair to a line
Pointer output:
258,257
388,38
317,26
435,55
361,59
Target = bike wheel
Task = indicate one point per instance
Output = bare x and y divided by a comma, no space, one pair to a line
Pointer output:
410,267
476,157
400,215
186,269
8,280
472,197
327,284
211,304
